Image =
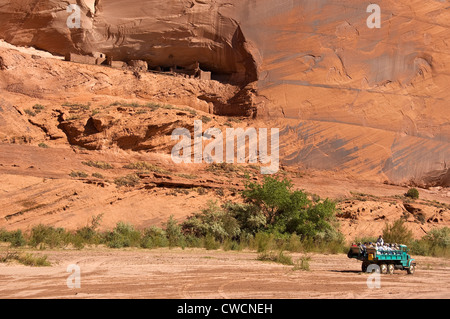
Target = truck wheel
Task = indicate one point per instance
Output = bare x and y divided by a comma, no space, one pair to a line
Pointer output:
384,269
391,269
411,270
364,266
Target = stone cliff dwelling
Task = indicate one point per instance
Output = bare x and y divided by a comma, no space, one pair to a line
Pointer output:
96,58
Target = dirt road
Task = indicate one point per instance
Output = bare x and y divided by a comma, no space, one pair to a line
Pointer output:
198,274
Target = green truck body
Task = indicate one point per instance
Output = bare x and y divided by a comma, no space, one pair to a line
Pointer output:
388,261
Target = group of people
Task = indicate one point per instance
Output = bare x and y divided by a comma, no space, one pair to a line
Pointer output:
380,246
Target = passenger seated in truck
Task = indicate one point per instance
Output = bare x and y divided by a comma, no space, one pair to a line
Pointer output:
379,248
362,248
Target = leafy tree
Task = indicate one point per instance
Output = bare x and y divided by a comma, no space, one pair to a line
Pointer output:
272,207
290,211
412,193
275,198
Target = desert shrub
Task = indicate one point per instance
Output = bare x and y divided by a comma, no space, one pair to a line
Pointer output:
98,164
43,145
412,193
38,108
123,235
78,106
130,180
210,242
15,238
222,168
264,242
435,243
154,237
420,247
78,174
30,112
440,237
48,236
98,175
146,167
230,244
88,234
34,261
250,219
213,221
397,233
279,257
25,259
4,235
206,119
294,244
193,241
174,233
303,263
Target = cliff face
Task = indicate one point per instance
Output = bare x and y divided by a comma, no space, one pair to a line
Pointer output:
164,33
371,102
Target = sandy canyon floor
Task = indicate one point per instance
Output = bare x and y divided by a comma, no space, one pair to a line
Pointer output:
199,274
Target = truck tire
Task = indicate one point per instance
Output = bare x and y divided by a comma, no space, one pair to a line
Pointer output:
391,269
384,269
364,266
411,269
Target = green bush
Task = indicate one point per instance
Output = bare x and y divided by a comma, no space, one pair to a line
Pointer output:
146,167
78,174
264,242
174,233
213,221
38,108
123,235
154,237
303,263
435,243
130,180
193,241
210,243
439,237
289,211
230,244
412,193
88,234
34,261
15,238
48,236
25,259
98,175
98,164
